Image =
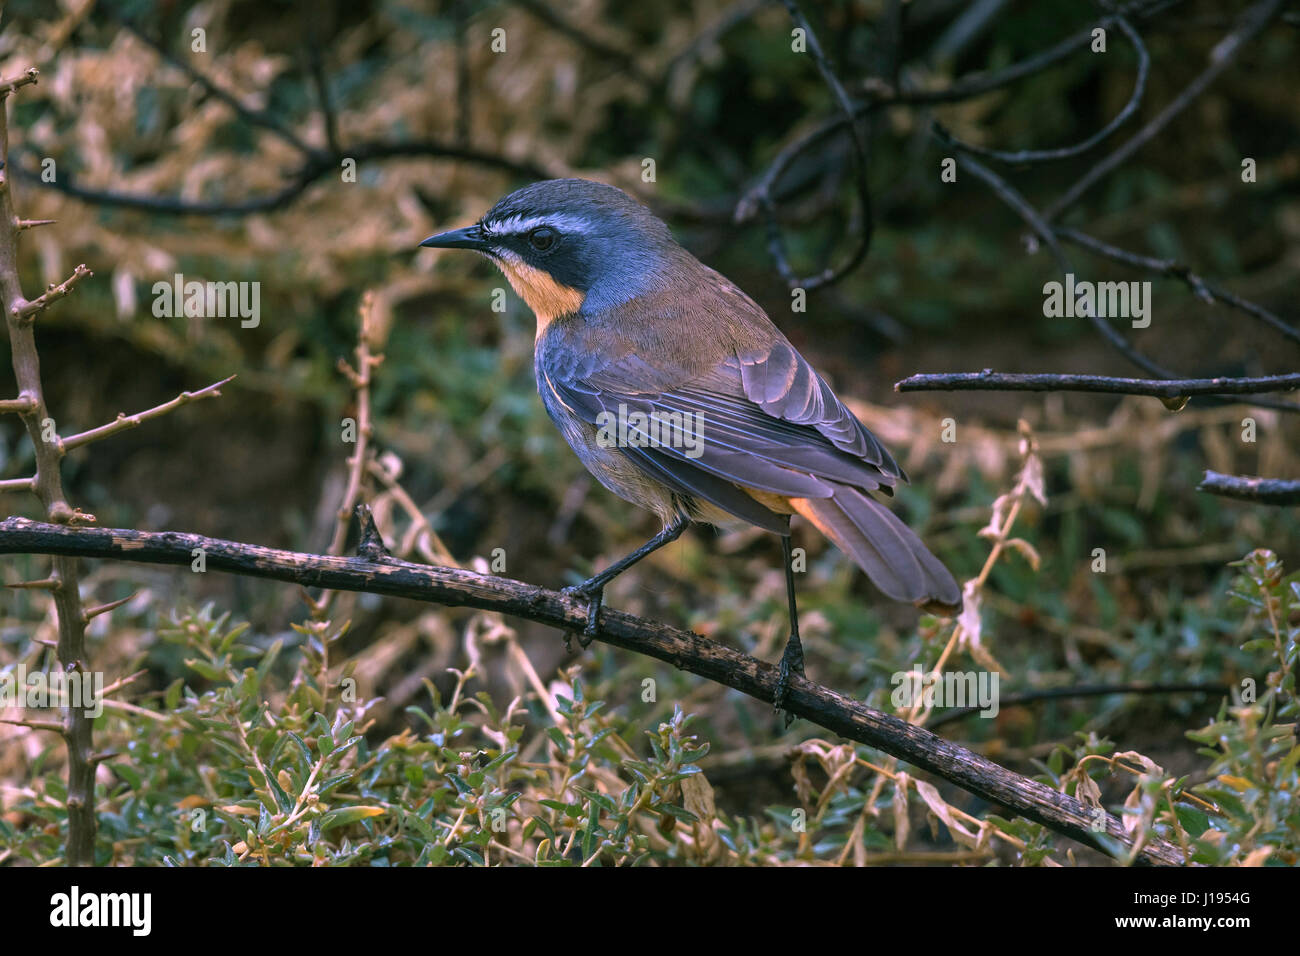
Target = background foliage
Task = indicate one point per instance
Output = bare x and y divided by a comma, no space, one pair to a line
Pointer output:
463,720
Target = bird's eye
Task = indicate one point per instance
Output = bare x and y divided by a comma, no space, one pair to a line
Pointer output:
543,238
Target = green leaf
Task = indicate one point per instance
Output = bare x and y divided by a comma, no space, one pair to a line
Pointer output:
173,696
345,815
465,853
1193,820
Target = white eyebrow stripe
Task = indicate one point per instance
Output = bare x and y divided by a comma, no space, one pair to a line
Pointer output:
518,225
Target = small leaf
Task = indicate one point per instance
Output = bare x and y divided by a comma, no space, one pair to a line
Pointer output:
345,815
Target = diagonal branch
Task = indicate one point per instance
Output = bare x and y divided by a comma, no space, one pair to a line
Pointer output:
684,649
1169,268
28,310
124,421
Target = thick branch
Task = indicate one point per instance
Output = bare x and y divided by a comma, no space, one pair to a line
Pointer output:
683,649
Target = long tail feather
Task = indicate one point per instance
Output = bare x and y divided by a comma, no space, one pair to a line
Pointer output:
886,549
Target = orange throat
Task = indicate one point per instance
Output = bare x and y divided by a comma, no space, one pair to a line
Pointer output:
547,298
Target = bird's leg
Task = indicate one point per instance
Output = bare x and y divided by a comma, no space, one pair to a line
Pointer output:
593,589
792,658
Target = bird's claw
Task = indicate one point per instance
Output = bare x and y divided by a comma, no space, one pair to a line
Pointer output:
791,663
595,598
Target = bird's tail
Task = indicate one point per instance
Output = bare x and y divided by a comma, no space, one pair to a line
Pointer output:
886,549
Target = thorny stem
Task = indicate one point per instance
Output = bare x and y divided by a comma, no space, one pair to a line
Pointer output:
48,486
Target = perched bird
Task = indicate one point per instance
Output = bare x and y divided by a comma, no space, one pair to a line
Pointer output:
680,395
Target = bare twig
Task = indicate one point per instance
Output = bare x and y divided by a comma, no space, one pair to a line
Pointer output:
879,95
1206,291
1042,230
312,169
1077,692
123,422
1265,491
8,86
1221,57
1045,155
23,403
625,58
257,118
360,378
776,243
1174,388
320,81
26,310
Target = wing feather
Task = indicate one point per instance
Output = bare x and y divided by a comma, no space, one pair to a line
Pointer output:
763,420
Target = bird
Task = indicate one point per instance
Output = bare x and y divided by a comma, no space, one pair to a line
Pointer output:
680,395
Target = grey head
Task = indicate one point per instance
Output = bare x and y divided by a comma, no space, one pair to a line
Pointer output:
585,237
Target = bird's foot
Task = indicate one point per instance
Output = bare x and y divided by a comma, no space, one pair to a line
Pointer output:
595,596
791,663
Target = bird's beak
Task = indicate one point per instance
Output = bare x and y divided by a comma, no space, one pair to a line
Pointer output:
471,237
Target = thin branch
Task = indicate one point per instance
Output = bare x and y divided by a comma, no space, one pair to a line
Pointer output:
1206,291
1081,691
683,649
1171,388
1038,223
314,168
124,421
1025,156
776,243
25,310
18,82
121,682
257,118
1265,491
1221,57
23,403
49,725
1034,219
464,85
624,58
316,67
880,95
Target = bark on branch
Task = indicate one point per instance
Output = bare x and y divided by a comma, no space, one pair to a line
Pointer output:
1170,388
1265,491
683,649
